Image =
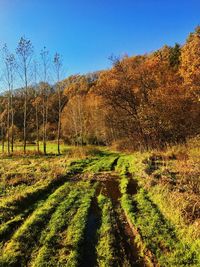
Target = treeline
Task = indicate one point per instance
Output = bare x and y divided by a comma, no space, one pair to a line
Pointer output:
26,113
142,102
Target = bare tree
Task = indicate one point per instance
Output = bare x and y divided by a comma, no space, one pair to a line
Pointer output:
57,67
2,136
10,67
36,105
2,125
25,51
44,87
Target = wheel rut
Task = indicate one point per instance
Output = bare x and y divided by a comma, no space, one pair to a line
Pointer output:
127,252
89,257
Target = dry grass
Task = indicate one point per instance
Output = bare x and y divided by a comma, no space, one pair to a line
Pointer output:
172,178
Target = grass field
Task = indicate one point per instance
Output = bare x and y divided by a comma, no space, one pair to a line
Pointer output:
31,147
92,207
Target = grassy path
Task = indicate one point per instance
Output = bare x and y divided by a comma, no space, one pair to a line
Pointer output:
18,249
56,223
50,239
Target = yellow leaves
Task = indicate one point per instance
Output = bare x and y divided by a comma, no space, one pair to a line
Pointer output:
190,59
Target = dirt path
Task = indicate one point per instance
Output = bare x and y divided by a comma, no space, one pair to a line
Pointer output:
127,253
90,237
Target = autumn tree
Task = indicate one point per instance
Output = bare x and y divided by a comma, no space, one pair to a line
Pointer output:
10,66
141,102
175,56
77,115
119,88
190,63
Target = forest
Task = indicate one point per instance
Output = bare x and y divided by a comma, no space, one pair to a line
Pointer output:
141,102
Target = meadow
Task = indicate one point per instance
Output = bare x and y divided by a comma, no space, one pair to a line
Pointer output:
92,206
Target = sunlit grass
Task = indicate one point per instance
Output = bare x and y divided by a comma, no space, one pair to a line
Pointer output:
51,147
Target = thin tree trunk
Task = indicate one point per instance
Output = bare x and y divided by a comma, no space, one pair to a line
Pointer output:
12,124
36,109
59,118
58,141
44,126
8,125
57,65
25,107
25,110
25,115
37,129
80,118
25,52
2,137
46,121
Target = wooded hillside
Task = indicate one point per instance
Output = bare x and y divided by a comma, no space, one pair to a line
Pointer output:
142,102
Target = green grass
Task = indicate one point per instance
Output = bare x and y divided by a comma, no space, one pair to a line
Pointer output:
17,250
32,148
51,236
131,163
105,248
160,236
9,226
105,163
42,224
17,173
12,205
81,165
71,253
155,232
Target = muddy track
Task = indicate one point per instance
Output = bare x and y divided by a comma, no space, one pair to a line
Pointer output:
88,253
127,253
114,164
125,240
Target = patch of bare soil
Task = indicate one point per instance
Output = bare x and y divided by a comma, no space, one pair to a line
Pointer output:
89,257
127,252
132,187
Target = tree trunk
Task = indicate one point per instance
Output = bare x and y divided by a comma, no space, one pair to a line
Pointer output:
37,129
44,126
25,115
58,141
46,121
8,125
12,125
59,118
2,137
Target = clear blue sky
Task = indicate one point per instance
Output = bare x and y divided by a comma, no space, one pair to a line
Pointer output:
87,32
